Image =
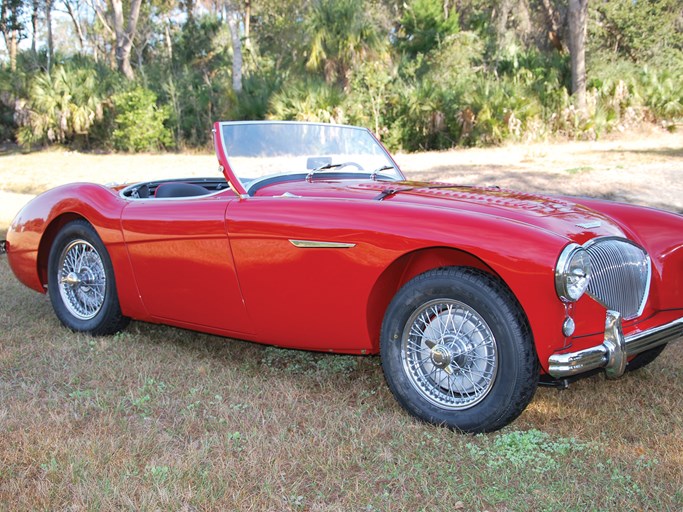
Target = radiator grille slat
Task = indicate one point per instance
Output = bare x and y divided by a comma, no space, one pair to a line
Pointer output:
620,278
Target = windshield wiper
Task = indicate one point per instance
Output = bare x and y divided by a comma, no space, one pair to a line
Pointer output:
321,168
373,174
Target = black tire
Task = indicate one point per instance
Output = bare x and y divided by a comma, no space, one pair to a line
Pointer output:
81,282
644,358
437,380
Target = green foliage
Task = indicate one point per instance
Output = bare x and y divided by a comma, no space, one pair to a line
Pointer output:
425,25
62,106
662,93
532,450
139,122
341,33
642,31
420,117
195,84
371,91
308,101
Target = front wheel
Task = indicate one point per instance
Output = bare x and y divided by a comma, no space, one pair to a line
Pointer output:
81,281
457,351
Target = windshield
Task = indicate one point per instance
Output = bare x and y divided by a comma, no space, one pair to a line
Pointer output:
256,150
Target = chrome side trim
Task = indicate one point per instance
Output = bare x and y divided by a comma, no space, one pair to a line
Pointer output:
315,244
613,353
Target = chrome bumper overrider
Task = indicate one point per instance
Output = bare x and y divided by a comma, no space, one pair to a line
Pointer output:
614,352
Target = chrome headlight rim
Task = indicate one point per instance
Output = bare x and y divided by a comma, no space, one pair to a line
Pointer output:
562,272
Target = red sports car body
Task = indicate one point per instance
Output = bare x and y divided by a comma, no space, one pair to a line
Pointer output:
313,239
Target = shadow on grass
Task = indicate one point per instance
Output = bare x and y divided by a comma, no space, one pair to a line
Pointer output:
661,152
10,148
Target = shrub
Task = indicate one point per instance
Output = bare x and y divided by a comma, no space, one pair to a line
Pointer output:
139,122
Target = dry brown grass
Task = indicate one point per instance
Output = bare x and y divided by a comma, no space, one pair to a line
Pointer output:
158,418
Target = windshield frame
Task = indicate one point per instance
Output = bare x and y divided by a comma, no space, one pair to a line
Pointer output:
243,188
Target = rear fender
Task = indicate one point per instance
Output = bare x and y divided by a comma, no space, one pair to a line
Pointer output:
34,228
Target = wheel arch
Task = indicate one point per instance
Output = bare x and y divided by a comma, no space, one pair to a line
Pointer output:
411,264
46,241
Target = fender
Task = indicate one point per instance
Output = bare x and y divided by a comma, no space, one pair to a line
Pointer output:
659,233
31,233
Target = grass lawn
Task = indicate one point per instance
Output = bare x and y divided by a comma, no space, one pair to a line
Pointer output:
158,418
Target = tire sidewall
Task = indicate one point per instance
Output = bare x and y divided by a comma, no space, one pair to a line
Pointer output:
110,308
503,320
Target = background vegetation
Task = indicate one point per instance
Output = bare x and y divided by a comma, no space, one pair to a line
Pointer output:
422,74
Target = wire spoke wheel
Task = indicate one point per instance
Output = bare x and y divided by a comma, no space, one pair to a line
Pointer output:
82,279
449,354
457,350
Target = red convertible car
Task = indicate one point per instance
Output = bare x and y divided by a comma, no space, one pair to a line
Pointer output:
313,239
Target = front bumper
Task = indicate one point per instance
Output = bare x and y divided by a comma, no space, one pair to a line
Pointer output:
613,353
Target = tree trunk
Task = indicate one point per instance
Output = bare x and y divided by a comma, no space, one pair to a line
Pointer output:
34,25
169,42
233,25
13,40
50,40
578,18
501,20
77,24
125,35
9,26
247,20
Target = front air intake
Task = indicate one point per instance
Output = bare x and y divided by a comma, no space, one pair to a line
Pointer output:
620,276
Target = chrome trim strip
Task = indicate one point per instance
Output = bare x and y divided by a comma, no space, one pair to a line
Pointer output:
315,244
613,353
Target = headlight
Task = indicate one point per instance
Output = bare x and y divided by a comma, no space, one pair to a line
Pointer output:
572,273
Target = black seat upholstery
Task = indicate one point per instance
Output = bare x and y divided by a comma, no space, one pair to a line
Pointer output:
179,190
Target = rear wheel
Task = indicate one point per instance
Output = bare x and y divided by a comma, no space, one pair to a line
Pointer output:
456,350
81,281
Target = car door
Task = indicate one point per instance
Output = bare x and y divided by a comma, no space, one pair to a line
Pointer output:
307,269
183,265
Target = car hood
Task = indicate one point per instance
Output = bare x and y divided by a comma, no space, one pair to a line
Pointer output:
558,215
567,218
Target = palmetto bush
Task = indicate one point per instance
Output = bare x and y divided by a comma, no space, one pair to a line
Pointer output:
62,105
311,101
662,93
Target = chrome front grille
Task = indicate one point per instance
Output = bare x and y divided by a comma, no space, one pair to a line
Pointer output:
620,276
